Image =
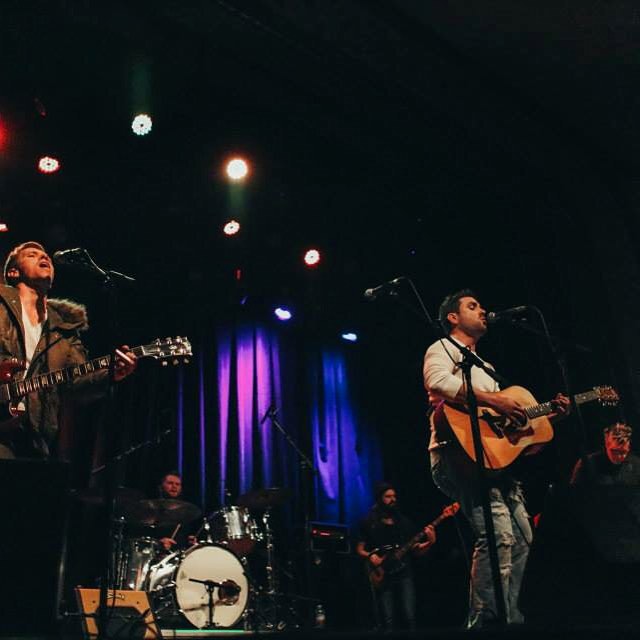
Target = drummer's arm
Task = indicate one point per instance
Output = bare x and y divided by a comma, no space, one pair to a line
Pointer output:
167,543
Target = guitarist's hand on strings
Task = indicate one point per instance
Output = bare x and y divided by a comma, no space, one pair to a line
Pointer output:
375,559
504,404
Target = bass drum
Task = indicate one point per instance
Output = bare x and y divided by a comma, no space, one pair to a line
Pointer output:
171,587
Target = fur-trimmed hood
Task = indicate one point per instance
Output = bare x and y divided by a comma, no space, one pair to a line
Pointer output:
63,314
72,315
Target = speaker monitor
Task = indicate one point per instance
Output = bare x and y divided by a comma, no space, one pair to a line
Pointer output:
129,614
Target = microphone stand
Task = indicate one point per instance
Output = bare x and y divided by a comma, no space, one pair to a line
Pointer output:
469,360
110,281
308,473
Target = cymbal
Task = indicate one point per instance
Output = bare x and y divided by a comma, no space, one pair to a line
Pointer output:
161,512
265,498
95,496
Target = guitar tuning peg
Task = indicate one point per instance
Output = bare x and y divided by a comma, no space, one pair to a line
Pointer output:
164,363
175,361
185,360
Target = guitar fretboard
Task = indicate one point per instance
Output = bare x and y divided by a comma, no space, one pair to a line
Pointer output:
548,407
16,389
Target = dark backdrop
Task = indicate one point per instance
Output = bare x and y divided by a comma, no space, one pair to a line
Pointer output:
370,163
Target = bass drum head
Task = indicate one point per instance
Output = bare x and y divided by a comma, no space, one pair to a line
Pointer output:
211,562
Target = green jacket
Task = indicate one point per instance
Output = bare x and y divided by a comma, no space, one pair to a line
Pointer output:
60,346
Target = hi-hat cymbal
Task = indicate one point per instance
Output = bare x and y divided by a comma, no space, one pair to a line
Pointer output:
122,495
265,498
161,512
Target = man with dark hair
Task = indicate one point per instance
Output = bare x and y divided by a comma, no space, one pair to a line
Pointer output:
455,473
382,529
44,333
613,465
170,485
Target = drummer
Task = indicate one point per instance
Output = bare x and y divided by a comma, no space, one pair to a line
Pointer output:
170,488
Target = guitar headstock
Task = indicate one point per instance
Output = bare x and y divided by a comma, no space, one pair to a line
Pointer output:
607,396
451,510
174,350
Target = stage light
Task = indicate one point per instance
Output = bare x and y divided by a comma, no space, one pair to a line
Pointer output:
312,257
282,313
4,134
237,169
350,336
141,124
231,228
47,164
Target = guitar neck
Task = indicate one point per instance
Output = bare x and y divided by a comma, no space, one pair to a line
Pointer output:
419,537
546,408
17,389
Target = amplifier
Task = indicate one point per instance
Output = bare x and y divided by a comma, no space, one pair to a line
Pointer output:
329,536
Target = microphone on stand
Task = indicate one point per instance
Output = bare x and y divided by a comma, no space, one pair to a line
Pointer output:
506,314
385,287
72,256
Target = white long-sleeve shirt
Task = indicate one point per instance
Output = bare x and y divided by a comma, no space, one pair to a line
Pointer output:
443,377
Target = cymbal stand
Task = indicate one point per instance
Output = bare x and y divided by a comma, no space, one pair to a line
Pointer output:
272,582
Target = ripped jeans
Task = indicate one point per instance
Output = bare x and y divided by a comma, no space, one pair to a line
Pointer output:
455,475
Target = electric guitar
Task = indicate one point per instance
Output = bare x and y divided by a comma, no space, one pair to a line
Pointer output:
502,439
13,388
393,557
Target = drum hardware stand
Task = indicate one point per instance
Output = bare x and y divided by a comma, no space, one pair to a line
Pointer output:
206,527
272,582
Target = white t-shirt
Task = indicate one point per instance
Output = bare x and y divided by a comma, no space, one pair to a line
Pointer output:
32,334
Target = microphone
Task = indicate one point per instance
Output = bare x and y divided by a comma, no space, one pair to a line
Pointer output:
72,256
497,316
385,287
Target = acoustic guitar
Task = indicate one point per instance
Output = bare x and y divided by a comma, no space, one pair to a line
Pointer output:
394,557
503,440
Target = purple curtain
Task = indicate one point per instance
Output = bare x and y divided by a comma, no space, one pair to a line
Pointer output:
236,452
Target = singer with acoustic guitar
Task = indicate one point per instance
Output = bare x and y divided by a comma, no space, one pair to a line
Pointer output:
453,469
383,529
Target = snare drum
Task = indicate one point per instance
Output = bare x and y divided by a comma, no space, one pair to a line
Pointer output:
235,528
171,589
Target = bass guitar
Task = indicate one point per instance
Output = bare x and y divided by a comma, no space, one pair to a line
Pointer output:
394,557
503,440
13,387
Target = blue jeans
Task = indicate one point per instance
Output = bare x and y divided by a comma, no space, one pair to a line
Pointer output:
398,595
455,475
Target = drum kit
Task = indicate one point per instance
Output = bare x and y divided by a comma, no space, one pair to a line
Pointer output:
208,584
